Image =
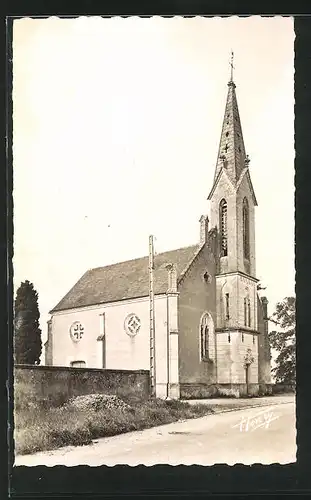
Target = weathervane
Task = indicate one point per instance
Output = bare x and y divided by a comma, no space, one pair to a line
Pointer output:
232,67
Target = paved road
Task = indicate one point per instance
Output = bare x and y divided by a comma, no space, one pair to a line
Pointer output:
238,402
254,435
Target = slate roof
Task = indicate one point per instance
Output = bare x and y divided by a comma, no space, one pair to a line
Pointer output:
126,280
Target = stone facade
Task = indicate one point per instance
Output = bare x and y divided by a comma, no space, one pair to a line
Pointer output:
197,297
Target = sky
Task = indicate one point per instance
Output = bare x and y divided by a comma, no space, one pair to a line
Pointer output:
116,127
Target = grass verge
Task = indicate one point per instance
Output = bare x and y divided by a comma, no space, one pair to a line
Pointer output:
40,428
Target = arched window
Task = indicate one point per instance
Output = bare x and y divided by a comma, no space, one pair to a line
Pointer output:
207,338
223,217
245,229
204,341
206,334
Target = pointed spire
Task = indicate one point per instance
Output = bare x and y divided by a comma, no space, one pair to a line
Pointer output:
231,154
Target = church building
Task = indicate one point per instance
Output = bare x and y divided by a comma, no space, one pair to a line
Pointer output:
210,324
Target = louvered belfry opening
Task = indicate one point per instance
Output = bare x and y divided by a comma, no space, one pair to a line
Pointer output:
223,224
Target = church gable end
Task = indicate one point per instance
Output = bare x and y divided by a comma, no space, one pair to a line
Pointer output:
196,298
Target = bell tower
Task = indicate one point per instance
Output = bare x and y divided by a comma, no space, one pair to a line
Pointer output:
232,209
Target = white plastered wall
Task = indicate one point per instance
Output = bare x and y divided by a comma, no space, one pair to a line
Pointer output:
122,351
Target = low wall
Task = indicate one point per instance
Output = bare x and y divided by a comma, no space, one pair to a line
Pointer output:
265,389
207,391
202,391
61,383
282,388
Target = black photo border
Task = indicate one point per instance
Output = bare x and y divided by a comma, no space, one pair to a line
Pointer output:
168,481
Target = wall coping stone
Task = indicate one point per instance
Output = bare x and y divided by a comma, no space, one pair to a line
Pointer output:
84,369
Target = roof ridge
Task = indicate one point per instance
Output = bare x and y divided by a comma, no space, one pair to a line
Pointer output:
124,280
143,257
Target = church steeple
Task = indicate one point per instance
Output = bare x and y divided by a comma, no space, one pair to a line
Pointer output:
232,195
231,153
232,215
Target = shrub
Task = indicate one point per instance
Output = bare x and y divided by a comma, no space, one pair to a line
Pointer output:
98,402
45,429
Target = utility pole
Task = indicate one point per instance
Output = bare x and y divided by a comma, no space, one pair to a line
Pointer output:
152,320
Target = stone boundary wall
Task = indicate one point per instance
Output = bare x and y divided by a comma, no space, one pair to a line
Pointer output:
61,383
207,391
279,388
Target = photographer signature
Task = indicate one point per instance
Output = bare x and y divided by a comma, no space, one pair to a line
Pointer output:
253,422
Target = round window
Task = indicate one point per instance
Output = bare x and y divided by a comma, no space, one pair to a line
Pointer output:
76,331
132,324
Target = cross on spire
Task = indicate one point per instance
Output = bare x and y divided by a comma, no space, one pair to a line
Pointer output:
232,67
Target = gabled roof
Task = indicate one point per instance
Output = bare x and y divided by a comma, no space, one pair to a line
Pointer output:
221,171
245,173
126,280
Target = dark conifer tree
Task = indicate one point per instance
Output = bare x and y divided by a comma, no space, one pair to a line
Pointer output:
27,333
